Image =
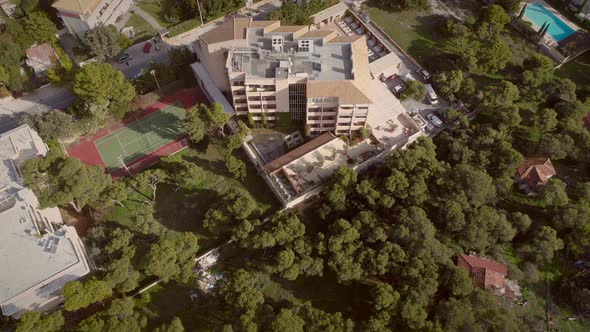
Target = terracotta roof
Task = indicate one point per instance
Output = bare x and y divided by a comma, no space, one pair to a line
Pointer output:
298,152
229,30
355,91
346,91
484,263
536,171
290,28
345,39
262,24
40,57
329,34
77,6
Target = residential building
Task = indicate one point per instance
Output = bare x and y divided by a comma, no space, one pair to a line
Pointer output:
314,78
40,58
9,7
79,16
580,6
39,254
484,273
534,173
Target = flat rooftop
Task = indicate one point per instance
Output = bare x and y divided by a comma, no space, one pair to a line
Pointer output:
324,61
38,256
31,257
16,146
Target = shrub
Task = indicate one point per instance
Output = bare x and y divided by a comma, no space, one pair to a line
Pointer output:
184,27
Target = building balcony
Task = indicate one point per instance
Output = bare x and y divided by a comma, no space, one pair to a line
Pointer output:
238,88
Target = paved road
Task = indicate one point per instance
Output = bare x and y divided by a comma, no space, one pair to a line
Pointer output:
139,59
41,100
50,97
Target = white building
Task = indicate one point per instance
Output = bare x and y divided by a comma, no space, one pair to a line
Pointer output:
80,16
38,253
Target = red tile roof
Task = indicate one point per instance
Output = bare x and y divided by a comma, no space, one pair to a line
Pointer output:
484,263
536,171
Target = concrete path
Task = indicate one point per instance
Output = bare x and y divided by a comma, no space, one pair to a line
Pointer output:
152,21
40,101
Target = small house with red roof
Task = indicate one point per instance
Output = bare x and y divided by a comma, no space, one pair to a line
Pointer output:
484,273
534,173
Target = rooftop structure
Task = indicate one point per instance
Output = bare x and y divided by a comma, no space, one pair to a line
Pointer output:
41,58
9,7
80,16
300,173
534,173
484,273
316,78
41,252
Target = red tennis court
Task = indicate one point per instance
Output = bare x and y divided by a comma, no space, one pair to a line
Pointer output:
86,149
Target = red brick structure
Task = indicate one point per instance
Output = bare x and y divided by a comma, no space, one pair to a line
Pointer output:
485,273
534,173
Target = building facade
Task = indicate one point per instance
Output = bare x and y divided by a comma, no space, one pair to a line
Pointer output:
484,273
278,73
79,16
39,254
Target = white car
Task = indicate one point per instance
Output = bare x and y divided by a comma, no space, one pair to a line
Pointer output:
399,88
425,75
365,17
435,120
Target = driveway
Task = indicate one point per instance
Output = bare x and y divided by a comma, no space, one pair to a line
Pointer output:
139,59
43,99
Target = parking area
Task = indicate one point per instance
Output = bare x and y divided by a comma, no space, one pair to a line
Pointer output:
140,56
379,47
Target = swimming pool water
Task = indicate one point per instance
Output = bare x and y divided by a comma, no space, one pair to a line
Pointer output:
539,15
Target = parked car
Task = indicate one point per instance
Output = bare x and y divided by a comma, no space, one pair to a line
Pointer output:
147,47
442,115
435,120
425,75
432,97
365,17
398,89
124,57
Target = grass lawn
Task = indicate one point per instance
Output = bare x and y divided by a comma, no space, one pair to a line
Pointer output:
183,210
142,29
155,10
165,301
577,70
414,31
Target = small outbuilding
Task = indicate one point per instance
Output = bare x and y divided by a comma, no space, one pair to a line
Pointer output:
534,173
41,58
484,273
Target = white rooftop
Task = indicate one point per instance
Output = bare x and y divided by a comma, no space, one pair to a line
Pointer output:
38,253
16,146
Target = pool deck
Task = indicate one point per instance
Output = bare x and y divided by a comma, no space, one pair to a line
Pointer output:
552,10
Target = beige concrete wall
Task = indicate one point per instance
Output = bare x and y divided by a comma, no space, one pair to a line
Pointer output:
282,95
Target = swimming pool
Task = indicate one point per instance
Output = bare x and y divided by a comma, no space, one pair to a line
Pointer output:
537,13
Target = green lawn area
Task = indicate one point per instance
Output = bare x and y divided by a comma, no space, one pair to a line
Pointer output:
577,70
183,210
414,31
155,10
142,29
